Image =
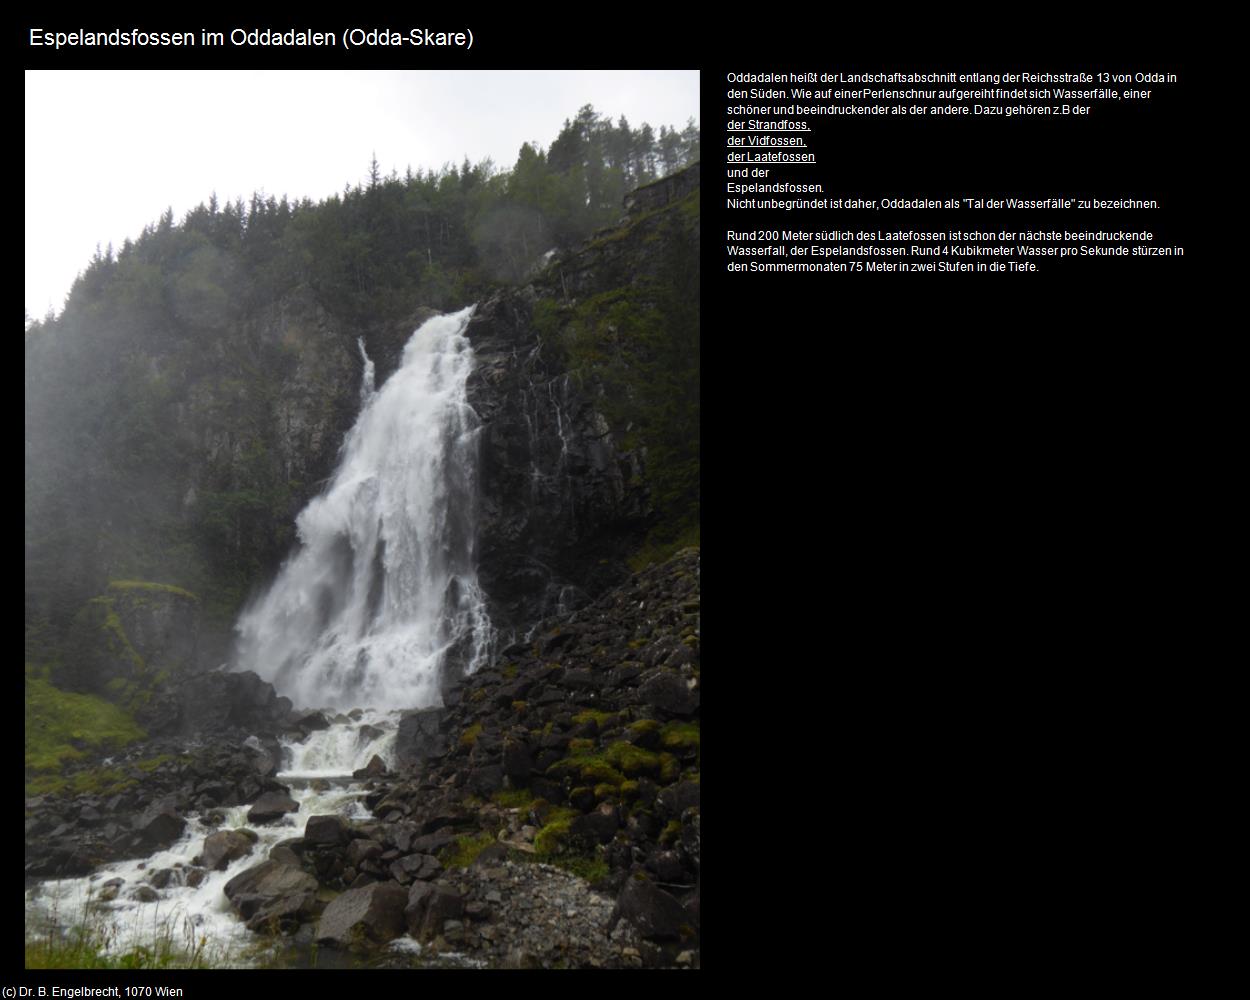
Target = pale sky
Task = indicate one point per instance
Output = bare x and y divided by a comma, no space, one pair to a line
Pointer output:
108,151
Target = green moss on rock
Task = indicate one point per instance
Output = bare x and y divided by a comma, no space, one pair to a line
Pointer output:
464,851
600,719
513,798
632,760
551,839
680,736
591,769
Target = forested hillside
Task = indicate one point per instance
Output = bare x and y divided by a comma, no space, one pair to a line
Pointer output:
192,395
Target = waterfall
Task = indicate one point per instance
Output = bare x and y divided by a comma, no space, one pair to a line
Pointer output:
382,593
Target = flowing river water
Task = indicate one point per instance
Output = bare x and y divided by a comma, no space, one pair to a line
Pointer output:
380,596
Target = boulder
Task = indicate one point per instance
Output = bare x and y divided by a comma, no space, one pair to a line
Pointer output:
419,738
327,831
667,866
362,850
271,807
310,722
669,694
222,847
656,914
223,699
517,759
676,799
485,781
431,843
371,914
160,826
376,768
273,895
598,827
415,867
284,855
428,906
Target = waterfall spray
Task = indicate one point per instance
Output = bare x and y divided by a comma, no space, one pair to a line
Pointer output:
382,594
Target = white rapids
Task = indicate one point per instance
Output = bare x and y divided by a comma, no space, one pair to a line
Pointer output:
198,919
381,595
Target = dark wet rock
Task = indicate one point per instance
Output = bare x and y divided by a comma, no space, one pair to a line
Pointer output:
667,692
517,759
676,799
224,699
273,895
310,722
284,855
625,675
420,738
428,906
145,894
224,846
485,781
327,831
214,792
372,914
418,867
667,866
691,836
599,826
362,850
271,807
165,877
431,843
656,914
376,768
582,680
160,826
90,816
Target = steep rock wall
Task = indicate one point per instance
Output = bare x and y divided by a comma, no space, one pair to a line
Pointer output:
570,477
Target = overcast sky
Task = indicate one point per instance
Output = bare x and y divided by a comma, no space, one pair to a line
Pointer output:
108,152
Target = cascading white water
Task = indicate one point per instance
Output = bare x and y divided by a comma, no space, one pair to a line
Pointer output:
384,587
381,593
200,915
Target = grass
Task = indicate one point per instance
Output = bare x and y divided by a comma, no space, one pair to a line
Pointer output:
62,727
88,944
592,869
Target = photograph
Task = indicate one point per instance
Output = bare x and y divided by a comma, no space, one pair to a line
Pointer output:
362,519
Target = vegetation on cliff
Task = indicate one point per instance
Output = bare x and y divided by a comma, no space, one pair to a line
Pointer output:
191,397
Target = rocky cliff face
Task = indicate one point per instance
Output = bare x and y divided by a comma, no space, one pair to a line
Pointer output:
182,450
568,491
562,500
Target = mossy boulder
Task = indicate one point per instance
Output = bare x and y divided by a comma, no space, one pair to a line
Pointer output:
130,645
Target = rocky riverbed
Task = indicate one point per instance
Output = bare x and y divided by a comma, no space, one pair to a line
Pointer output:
547,816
